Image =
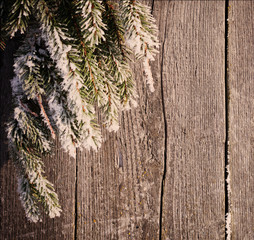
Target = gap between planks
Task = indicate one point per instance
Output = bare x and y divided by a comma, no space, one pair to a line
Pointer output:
227,162
76,198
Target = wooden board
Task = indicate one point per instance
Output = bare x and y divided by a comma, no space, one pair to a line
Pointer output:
119,187
162,175
193,68
241,116
60,170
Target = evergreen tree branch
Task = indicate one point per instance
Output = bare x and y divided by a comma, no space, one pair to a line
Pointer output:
28,143
19,16
67,61
91,24
2,40
76,61
44,114
27,109
141,33
115,27
117,55
27,134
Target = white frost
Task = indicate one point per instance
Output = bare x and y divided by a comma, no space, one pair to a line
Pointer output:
148,73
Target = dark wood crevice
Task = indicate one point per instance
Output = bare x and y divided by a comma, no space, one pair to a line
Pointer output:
152,6
226,174
76,198
165,135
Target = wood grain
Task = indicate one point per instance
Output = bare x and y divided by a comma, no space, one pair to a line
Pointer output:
193,68
241,116
60,170
162,174
119,187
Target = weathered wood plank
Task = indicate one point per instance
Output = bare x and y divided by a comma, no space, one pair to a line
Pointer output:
119,187
193,94
241,120
60,170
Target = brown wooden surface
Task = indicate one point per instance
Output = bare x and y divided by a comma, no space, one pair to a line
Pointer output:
241,116
193,68
161,176
60,170
119,187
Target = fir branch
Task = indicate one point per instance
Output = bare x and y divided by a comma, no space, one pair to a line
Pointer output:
26,151
67,61
115,28
33,188
2,40
27,109
91,24
92,75
44,114
19,16
117,55
141,33
77,61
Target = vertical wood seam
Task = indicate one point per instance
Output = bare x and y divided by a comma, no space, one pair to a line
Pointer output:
227,99
165,136
152,6
76,198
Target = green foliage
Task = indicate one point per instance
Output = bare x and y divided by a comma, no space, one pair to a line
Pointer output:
74,59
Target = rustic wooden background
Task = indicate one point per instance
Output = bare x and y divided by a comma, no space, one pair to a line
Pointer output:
162,176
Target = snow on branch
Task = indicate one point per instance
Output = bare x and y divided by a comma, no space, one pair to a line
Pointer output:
75,59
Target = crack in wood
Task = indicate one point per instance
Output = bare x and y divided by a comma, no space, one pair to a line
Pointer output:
227,99
76,197
152,6
165,135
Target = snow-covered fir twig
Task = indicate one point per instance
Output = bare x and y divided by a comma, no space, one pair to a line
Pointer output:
19,17
74,59
68,62
92,26
28,135
141,33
